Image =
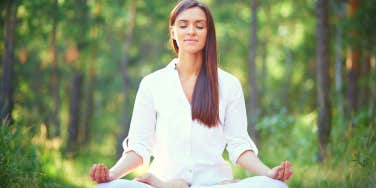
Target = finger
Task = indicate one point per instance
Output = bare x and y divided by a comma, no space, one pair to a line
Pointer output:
287,177
100,169
279,173
106,177
284,169
230,181
288,171
103,175
288,163
92,171
143,178
290,174
97,173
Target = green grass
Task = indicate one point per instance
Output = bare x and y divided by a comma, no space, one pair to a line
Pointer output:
38,162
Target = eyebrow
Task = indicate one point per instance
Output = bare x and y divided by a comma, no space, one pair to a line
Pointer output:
188,21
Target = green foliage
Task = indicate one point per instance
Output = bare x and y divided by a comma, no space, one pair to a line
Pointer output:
23,163
19,165
355,143
352,158
293,137
286,76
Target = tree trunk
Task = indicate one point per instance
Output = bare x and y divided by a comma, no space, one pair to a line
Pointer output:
124,68
90,92
264,67
89,102
263,76
340,14
323,81
54,77
74,110
6,92
287,82
75,128
372,98
253,94
365,85
352,67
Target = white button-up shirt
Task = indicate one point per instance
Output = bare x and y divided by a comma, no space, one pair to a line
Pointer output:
162,126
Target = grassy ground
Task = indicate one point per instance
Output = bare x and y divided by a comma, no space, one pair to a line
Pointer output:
351,161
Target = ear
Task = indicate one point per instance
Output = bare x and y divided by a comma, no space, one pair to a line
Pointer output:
172,32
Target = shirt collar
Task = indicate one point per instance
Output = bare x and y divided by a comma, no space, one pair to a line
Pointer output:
172,64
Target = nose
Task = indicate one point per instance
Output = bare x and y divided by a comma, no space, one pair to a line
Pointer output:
191,30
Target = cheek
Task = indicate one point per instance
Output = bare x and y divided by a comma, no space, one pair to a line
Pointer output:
179,35
203,36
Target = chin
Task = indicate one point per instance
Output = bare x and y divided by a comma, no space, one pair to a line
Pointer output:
192,50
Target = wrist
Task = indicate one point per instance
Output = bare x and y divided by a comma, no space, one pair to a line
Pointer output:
112,175
269,173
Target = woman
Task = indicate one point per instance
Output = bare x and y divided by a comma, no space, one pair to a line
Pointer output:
186,114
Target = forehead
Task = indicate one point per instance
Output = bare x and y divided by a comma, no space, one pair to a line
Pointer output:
192,14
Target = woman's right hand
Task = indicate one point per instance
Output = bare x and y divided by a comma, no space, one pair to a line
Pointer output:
100,173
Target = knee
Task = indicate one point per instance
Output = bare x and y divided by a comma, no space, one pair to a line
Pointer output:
110,184
121,183
273,183
263,181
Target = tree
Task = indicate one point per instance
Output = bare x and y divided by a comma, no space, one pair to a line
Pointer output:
6,92
81,18
352,65
92,74
253,96
124,69
54,72
322,74
340,14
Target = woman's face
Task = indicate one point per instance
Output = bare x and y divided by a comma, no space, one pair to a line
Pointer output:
190,30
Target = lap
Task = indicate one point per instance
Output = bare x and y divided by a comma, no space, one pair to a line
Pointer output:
252,182
122,183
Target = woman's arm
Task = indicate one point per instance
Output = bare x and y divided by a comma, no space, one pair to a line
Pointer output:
252,163
138,145
127,163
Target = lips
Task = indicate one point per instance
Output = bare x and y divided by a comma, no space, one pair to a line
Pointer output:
190,40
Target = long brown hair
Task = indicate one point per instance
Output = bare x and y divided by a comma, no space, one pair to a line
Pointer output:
205,98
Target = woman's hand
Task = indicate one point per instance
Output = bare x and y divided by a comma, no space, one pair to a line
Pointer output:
100,173
282,172
230,181
152,180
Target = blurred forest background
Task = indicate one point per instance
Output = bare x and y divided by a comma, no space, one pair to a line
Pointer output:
70,71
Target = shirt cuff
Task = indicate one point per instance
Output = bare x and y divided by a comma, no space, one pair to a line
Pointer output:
139,149
241,148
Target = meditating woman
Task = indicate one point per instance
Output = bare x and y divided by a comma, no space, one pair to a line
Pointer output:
185,115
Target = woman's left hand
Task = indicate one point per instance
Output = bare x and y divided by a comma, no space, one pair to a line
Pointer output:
282,172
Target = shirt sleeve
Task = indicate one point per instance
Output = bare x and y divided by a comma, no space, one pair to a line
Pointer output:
142,127
235,125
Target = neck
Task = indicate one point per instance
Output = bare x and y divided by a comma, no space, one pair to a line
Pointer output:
189,65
